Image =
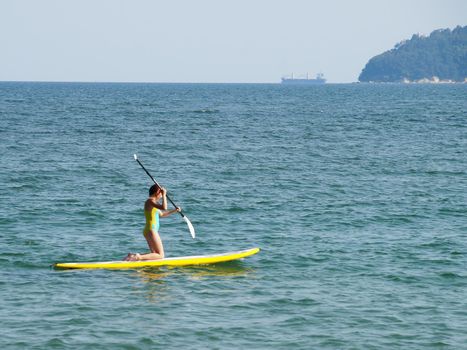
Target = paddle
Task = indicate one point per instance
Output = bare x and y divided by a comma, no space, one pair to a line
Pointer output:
190,226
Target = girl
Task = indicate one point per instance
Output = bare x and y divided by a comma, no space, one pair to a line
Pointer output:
153,211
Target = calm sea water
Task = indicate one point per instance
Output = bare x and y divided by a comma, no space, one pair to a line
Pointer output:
356,195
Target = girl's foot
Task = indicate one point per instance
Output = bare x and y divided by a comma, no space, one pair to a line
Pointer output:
131,257
136,257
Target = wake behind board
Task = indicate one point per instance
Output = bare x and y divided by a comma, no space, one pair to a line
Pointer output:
178,261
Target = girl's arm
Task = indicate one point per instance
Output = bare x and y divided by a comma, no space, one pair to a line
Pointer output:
162,206
164,199
165,213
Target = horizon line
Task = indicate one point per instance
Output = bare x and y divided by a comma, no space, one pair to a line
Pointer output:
151,82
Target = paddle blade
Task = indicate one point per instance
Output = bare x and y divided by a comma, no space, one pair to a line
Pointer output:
190,226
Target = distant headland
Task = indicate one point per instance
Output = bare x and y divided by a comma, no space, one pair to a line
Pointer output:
440,57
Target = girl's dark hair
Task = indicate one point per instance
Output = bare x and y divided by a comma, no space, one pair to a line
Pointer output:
153,190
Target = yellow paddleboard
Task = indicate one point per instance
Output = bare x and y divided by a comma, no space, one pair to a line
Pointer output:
179,261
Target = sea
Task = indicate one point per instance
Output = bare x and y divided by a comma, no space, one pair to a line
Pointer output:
356,195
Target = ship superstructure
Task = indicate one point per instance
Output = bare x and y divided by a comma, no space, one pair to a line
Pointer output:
304,80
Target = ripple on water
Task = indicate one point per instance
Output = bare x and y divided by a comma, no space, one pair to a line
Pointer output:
354,193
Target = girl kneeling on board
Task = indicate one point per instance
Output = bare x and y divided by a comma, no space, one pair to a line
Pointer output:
153,211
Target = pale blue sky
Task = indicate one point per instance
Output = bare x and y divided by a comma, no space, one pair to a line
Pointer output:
207,40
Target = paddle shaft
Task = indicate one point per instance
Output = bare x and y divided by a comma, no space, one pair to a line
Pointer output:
152,178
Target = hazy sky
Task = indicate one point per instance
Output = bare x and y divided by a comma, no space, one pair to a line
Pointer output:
207,40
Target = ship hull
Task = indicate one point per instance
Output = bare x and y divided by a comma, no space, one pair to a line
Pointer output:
303,81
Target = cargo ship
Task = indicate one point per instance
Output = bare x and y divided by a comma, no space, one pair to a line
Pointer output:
304,81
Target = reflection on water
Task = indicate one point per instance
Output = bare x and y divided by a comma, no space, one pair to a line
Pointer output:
194,272
155,278
233,269
155,288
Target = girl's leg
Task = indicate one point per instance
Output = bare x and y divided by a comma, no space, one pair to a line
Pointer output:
155,245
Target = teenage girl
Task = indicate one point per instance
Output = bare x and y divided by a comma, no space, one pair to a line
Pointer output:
153,211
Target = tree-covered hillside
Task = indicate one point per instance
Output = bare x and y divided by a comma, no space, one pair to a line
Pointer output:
443,54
